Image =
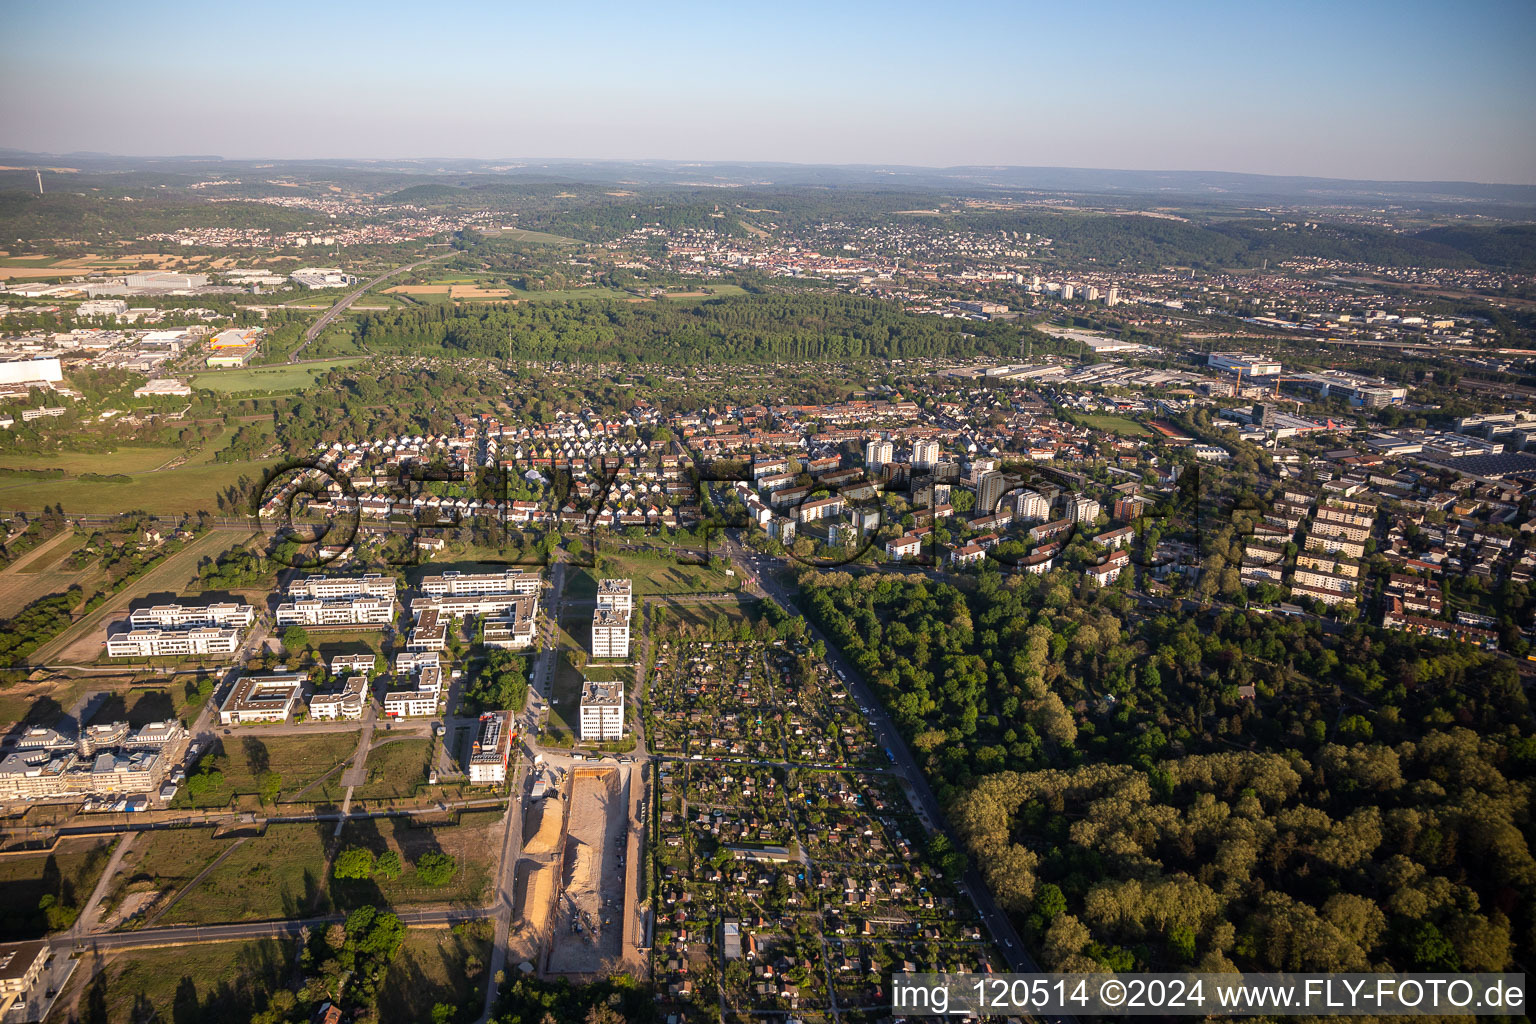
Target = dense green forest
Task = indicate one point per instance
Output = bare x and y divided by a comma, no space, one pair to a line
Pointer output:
68,215
760,328
1140,241
1366,807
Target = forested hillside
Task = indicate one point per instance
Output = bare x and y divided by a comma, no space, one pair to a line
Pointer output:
1367,806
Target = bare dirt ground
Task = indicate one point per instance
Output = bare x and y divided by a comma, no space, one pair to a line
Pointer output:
592,876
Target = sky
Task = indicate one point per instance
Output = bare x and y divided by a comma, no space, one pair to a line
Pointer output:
1401,90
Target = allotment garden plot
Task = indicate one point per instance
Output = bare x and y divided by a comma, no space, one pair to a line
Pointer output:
791,873
753,701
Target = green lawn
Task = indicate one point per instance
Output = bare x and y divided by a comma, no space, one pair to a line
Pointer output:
652,574
275,875
300,760
284,377
122,460
1122,425
215,981
521,235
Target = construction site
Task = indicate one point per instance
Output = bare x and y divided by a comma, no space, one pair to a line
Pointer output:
575,883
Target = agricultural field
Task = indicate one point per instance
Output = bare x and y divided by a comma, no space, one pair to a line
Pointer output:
177,491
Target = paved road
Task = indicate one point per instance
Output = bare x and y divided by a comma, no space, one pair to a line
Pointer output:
347,300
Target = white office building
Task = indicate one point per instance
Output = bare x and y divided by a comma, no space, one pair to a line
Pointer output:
455,584
149,642
346,611
602,711
179,616
346,703
491,751
333,588
610,633
268,697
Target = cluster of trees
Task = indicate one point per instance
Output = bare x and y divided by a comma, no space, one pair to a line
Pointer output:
36,624
616,999
501,684
759,328
1130,806
358,863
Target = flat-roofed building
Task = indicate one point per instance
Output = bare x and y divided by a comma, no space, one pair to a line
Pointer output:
34,774
429,633
454,583
180,616
409,662
491,750
330,588
353,664
346,703
1031,506
616,594
173,643
498,605
21,970
610,633
409,704
602,711
268,697
360,610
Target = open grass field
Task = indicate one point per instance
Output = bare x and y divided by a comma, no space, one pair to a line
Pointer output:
1121,425
395,768
653,574
520,235
69,873
163,862
217,981
299,760
182,490
437,965
705,614
278,874
295,377
20,586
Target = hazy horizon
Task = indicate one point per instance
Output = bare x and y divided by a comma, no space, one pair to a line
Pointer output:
1401,92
